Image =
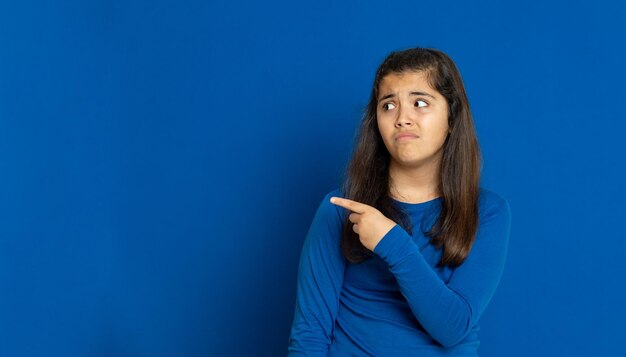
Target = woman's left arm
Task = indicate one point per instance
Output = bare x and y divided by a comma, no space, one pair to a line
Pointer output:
449,311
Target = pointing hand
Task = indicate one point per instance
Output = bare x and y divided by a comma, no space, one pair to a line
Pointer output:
369,223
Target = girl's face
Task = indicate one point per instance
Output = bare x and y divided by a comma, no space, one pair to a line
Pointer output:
412,119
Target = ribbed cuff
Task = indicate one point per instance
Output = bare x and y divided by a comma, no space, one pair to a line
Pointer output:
396,245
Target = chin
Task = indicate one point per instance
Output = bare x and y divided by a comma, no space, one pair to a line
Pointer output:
413,162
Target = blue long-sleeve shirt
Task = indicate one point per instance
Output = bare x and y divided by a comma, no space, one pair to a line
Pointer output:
398,303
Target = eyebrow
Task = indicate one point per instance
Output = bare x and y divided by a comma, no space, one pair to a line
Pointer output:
412,93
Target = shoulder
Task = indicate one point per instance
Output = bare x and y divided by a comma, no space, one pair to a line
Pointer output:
327,224
336,192
493,205
328,211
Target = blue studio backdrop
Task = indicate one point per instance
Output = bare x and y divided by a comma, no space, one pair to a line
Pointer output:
161,162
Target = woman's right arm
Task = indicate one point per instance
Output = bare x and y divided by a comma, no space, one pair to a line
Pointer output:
320,277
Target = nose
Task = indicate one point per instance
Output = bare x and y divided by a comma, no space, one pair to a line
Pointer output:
404,117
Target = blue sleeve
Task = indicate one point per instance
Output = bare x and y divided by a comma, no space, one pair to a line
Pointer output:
320,278
448,311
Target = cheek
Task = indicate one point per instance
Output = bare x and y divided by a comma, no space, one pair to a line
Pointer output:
439,127
386,132
439,137
382,130
435,135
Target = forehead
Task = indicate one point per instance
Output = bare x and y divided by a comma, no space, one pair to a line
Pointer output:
408,80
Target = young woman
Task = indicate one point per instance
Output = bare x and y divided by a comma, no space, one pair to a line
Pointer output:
404,259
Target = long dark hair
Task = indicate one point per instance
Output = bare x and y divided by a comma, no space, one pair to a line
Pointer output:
366,178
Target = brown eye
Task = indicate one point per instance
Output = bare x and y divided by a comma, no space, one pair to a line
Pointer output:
421,103
386,106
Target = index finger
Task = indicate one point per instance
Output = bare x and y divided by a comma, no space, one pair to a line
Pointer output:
353,206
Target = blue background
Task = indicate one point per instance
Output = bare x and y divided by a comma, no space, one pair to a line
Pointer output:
161,162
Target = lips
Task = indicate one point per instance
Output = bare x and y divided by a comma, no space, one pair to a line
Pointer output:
406,136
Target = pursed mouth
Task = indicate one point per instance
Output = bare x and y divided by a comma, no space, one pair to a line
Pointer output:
406,137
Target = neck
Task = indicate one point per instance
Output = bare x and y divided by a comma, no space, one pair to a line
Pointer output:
414,184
